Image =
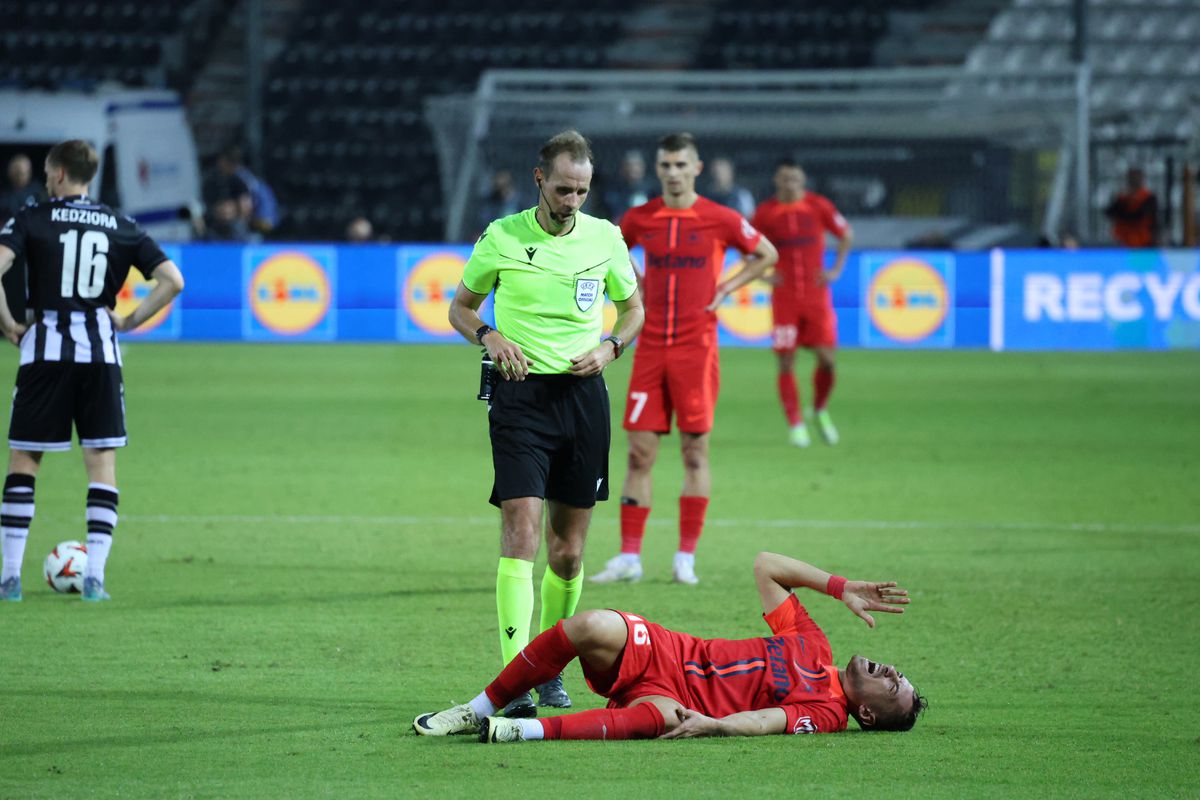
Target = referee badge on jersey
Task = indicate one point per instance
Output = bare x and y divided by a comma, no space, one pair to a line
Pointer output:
586,292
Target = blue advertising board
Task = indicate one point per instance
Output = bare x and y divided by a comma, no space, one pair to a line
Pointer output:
1096,300
1022,299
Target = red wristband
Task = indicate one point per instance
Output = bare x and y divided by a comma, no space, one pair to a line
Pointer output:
835,586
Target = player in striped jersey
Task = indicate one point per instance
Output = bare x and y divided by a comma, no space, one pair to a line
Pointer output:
661,682
78,254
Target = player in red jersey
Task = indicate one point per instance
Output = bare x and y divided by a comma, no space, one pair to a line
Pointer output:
675,366
663,683
796,220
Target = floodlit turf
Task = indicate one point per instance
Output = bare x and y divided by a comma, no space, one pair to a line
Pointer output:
306,560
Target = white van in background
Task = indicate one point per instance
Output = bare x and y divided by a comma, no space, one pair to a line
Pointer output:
148,164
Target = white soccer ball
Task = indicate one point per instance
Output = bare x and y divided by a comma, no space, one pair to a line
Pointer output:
65,566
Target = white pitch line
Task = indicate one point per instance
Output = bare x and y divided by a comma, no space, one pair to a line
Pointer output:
869,524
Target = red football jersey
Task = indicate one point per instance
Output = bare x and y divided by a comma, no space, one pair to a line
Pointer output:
792,670
685,256
797,230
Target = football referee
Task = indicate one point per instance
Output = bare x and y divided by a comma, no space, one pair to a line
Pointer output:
550,268
78,253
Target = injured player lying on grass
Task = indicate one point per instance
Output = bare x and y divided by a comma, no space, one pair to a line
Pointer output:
662,683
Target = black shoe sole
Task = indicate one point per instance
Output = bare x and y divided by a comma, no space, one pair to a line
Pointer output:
521,712
484,727
554,705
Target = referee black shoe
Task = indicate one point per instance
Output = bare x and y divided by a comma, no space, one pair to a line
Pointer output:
551,694
521,706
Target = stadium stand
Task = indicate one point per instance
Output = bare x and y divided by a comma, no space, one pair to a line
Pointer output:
1146,65
760,34
82,43
344,129
345,134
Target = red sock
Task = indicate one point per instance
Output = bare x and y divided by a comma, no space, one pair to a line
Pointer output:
633,528
643,721
822,386
789,395
541,660
691,522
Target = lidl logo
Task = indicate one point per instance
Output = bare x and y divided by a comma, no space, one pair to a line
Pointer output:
908,299
747,312
428,289
135,290
290,292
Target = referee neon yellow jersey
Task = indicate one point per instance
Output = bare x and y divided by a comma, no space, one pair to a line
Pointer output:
549,290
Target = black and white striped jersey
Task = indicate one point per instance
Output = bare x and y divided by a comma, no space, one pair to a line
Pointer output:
77,255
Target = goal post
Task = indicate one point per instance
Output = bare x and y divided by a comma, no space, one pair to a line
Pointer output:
898,143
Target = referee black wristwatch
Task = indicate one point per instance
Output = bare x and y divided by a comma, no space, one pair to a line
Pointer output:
483,331
618,345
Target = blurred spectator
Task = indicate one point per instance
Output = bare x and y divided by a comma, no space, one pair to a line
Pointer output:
360,231
225,223
724,189
21,191
501,200
256,203
193,214
631,189
1134,213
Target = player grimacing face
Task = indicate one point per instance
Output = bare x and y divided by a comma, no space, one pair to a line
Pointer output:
879,687
562,192
789,183
677,171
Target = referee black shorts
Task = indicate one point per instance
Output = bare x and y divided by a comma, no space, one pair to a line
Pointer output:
51,396
550,438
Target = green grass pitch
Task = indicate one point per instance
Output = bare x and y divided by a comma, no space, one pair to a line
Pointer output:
306,560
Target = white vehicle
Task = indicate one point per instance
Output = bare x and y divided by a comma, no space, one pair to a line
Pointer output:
148,165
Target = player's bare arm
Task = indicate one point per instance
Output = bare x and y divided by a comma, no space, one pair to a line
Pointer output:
630,316
168,283
464,316
13,330
693,724
839,262
777,575
753,266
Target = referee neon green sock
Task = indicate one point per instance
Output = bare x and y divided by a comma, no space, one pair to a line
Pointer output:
560,597
514,605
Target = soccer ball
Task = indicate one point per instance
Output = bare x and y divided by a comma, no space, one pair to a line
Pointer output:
65,566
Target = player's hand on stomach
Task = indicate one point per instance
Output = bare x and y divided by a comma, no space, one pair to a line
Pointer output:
593,361
692,724
861,597
507,356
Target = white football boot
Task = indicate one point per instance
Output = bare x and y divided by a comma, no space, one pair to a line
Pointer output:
685,569
621,567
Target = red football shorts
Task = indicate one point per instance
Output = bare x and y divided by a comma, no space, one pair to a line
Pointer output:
802,324
651,664
682,380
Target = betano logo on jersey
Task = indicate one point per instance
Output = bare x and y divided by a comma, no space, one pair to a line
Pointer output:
430,287
290,293
908,299
135,290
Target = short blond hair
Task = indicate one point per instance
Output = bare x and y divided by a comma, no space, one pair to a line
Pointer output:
571,142
77,157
